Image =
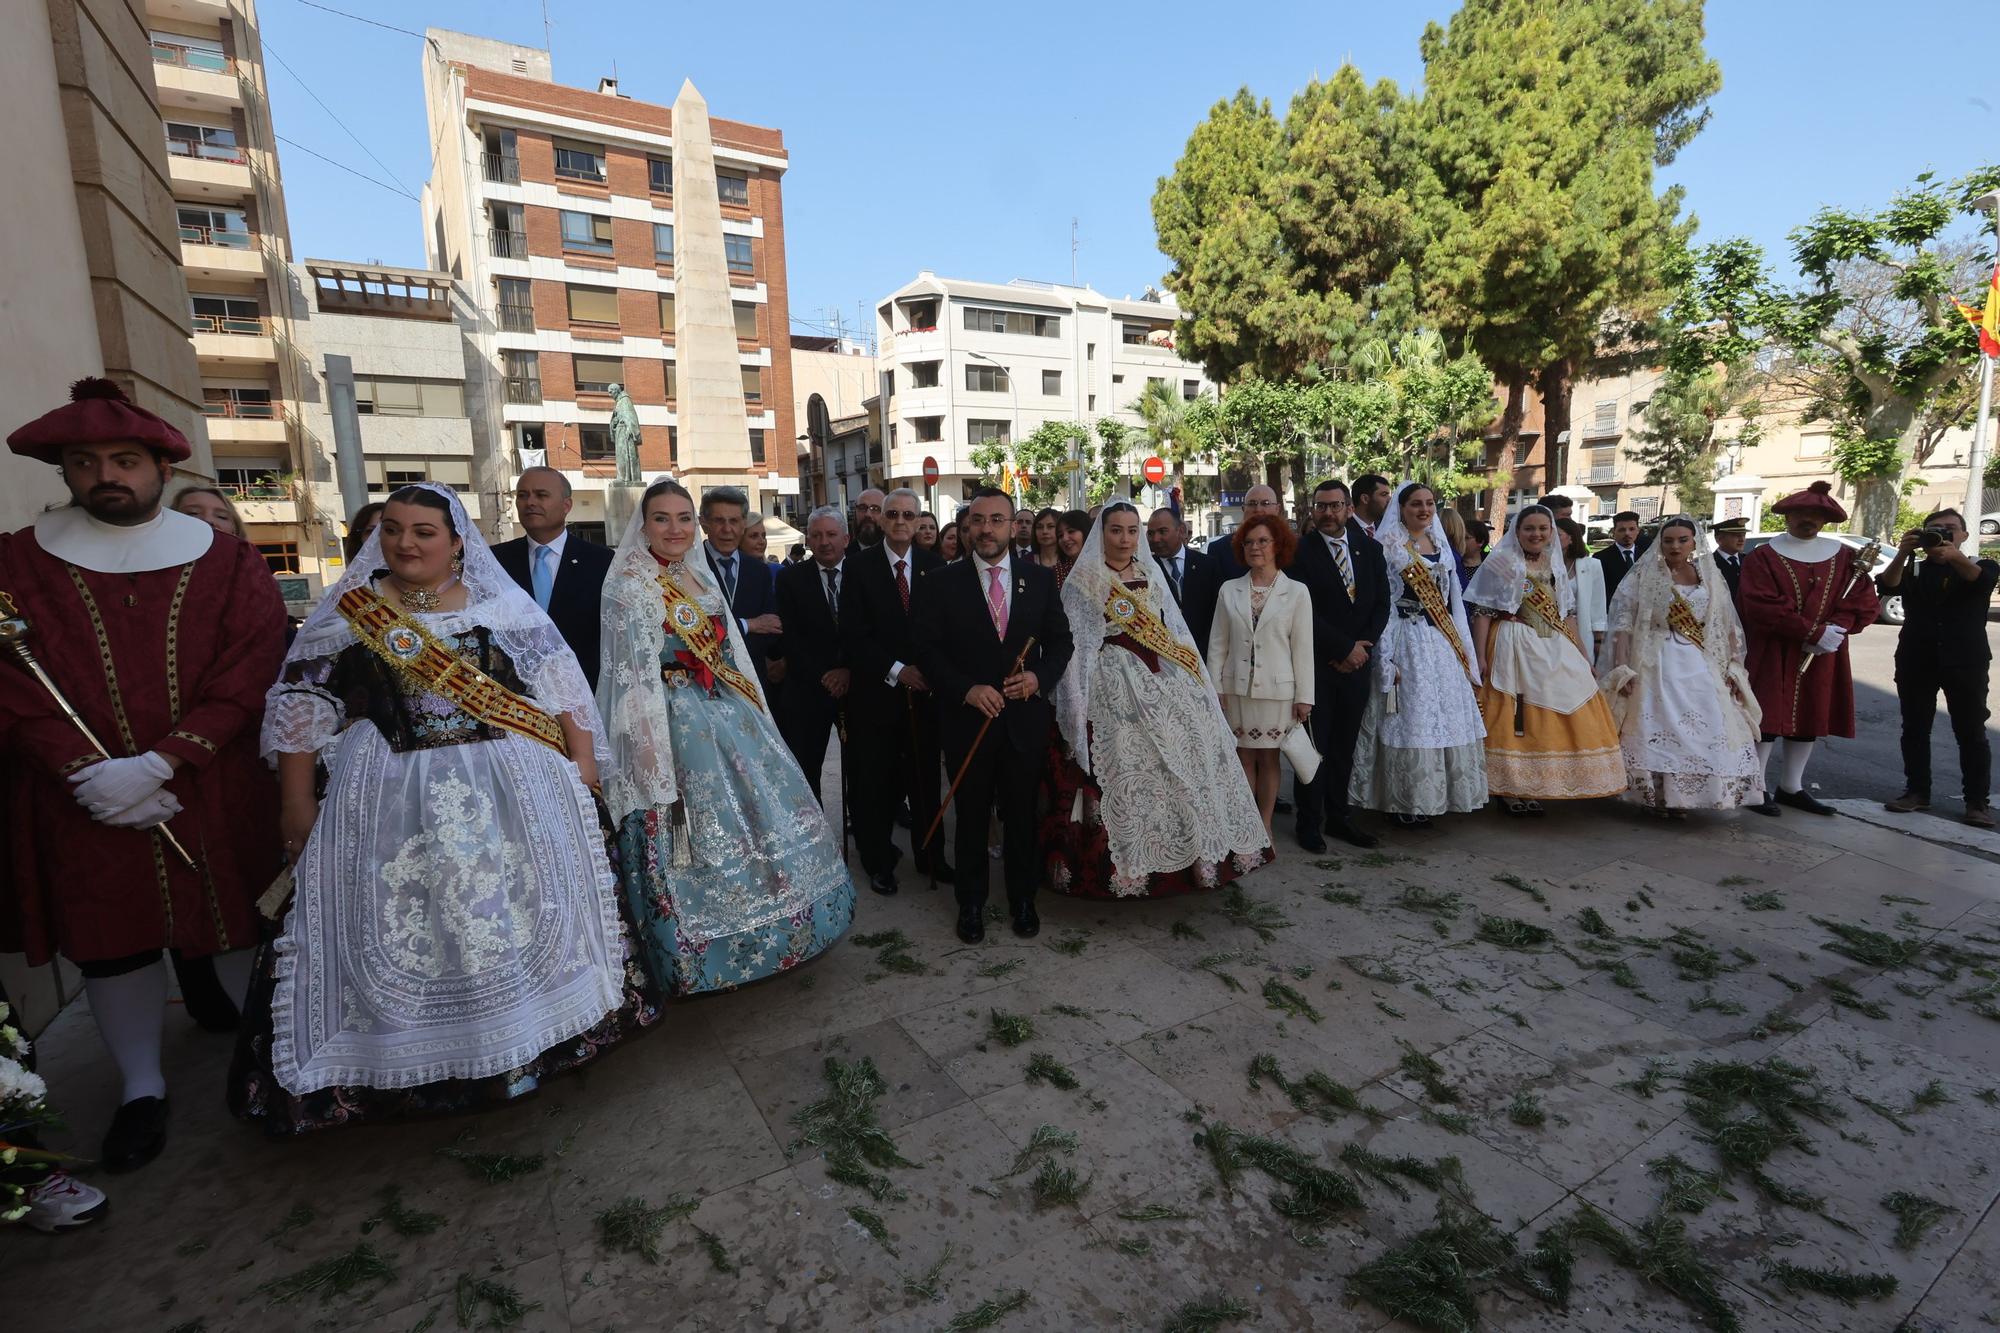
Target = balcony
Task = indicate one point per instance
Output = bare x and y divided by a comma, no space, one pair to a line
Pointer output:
500,168
208,171
237,422
1602,474
194,77
215,252
521,390
234,339
506,244
513,317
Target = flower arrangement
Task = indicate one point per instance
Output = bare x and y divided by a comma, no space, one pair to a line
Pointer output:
23,1109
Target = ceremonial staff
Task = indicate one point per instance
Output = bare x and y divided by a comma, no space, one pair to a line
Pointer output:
1864,560
14,631
984,727
916,753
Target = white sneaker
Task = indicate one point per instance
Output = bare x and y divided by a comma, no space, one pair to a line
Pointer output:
62,1202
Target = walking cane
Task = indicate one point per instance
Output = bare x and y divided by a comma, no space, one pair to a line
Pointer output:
840,730
14,631
916,757
984,727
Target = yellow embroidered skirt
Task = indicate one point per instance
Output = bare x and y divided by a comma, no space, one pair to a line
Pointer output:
1549,734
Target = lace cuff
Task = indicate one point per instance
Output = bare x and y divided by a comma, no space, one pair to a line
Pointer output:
299,719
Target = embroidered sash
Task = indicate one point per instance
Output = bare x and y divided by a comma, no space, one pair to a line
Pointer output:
1128,611
1681,620
703,639
1541,599
415,652
1417,574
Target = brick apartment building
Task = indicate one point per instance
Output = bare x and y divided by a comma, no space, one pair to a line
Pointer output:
553,208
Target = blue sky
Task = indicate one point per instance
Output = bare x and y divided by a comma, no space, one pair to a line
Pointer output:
963,138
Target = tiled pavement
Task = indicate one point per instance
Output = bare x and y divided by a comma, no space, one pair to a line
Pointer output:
703,1105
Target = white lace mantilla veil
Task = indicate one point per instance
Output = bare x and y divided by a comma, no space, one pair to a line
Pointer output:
1639,611
1398,550
1085,590
1500,582
630,696
301,722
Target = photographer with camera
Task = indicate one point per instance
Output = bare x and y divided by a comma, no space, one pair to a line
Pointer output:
1943,647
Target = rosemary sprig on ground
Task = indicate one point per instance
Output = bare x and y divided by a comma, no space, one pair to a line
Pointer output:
1182,930
1427,1072
1072,944
1915,1215
1009,1029
1433,1176
1514,881
1844,1285
1002,968
1043,1067
496,1168
1264,918
718,1253
1764,901
1057,1185
841,1124
1511,933
1287,1000
1212,964
893,952
1434,1278
1206,1315
1870,947
503,1304
1316,1094
331,1278
873,1224
1042,1145
928,1287
987,1313
633,1226
1154,1212
401,1220
1527,1110
1689,1189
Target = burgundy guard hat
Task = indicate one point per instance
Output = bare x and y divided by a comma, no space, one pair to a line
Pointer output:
98,412
1817,497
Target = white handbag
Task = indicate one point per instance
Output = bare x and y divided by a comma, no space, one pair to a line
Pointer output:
1298,747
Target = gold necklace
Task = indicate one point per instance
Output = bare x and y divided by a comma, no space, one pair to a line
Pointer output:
420,599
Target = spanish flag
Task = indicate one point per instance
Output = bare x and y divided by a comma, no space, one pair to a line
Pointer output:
1988,323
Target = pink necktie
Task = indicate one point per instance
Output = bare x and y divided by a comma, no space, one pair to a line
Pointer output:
996,599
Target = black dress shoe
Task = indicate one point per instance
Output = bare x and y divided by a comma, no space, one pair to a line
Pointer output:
1769,807
1311,842
137,1134
883,883
971,925
1354,837
1798,800
1026,924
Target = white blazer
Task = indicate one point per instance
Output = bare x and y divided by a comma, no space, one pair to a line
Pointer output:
1591,614
1273,661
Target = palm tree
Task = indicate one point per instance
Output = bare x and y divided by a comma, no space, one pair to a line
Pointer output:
1168,431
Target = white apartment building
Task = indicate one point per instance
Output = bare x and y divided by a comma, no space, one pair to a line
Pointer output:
964,364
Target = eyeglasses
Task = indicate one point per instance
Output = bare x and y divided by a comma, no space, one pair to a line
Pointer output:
899,513
868,509
1329,504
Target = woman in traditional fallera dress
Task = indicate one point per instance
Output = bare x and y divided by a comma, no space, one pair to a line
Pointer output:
1687,718
1421,751
1549,733
1150,799
454,934
729,867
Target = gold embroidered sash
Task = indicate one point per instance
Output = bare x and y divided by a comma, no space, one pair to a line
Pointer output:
415,652
1681,620
694,628
1541,599
1128,611
1417,574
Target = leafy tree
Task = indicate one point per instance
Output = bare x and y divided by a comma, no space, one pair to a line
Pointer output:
1406,411
1542,125
1168,431
1887,370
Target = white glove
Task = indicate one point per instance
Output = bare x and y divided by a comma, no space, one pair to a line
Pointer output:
120,784
1831,638
153,810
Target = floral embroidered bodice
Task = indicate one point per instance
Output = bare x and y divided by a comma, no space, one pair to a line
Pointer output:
409,716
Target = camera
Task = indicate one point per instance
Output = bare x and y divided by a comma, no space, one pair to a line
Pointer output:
1929,537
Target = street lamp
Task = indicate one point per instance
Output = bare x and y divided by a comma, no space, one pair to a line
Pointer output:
1014,396
1975,482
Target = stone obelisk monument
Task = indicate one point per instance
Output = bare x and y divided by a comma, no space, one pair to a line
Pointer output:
713,427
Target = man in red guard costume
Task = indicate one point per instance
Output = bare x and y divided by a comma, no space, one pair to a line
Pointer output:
1803,596
164,635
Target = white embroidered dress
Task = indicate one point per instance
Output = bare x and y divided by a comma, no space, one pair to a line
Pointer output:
455,913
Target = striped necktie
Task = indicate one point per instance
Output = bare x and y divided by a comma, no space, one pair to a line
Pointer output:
1340,562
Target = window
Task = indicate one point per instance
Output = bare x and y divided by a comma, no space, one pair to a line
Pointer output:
522,374
251,478
732,187
737,250
586,231
923,317
666,314
756,444
282,557
253,404
579,161
753,384
663,243
596,374
672,380
1090,351
1117,379
593,305
924,374
1815,446
1603,466
746,321
214,142
376,395
501,161
204,53
660,175
516,308
227,314
1133,334
595,441
1190,390
1604,421
214,226
505,232
985,379
388,474
979,432
979,319
927,430
1051,383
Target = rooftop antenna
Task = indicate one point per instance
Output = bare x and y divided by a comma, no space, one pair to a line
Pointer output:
547,44
1072,252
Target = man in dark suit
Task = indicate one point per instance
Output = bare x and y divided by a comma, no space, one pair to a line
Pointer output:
816,673
1343,568
1190,574
1259,499
1730,534
746,582
974,617
1619,557
891,714
560,570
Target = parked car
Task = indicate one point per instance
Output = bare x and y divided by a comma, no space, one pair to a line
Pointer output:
1892,606
1989,525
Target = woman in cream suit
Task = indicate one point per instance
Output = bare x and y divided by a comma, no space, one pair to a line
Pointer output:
1260,652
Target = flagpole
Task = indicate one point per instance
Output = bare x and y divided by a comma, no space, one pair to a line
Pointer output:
1975,482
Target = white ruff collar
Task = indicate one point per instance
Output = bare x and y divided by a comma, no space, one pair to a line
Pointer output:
1812,552
163,541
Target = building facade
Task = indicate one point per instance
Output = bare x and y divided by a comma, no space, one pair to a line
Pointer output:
964,364
833,396
553,209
